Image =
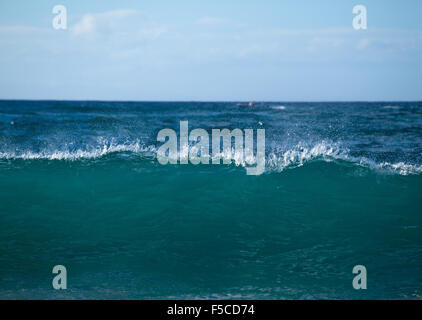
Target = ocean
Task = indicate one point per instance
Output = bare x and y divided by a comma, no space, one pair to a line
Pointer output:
80,186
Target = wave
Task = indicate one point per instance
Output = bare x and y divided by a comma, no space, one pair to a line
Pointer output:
277,159
278,107
98,151
300,154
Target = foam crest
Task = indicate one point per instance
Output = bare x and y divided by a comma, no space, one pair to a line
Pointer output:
402,168
277,159
91,152
278,107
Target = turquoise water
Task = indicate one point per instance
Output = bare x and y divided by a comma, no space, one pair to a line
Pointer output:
80,186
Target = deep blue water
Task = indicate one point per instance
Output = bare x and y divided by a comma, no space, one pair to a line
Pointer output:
80,186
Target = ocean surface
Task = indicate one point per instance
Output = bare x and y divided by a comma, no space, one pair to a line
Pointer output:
80,186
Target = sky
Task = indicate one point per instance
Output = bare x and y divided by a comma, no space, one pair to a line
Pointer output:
211,50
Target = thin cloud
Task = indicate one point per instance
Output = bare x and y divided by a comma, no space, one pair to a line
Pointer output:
210,21
93,23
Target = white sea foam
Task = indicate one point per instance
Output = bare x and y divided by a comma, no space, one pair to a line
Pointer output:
278,107
402,168
298,155
323,151
277,159
93,152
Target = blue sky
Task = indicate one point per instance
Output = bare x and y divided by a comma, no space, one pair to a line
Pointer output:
273,50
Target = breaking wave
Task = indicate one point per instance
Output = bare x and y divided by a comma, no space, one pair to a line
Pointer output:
300,155
91,152
277,159
278,107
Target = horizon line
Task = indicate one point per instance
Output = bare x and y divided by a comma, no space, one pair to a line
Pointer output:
206,101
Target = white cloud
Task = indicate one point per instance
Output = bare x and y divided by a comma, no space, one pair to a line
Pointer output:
121,13
86,26
210,21
363,44
93,23
151,32
20,30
